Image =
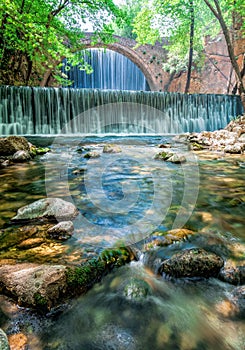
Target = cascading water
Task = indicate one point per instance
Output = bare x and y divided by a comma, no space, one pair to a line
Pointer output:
111,70
27,110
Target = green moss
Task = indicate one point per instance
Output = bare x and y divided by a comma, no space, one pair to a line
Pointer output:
85,276
40,301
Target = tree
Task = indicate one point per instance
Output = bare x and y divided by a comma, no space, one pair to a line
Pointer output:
176,20
218,13
35,35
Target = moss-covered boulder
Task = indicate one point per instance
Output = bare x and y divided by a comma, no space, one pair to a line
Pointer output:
11,144
194,262
44,286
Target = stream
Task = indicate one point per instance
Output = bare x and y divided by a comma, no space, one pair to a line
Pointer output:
122,198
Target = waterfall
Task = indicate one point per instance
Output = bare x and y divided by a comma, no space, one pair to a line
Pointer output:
111,70
35,110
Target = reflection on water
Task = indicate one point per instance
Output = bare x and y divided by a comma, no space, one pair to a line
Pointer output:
125,195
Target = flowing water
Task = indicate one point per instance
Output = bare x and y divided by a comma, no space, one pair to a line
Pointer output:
40,111
106,65
123,197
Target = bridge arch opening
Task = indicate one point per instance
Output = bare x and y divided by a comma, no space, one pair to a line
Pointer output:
111,70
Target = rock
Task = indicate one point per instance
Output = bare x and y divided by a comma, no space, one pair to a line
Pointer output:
232,274
34,285
170,157
47,209
163,155
4,162
11,144
4,345
136,289
21,156
238,147
18,341
161,239
112,337
62,231
165,145
238,300
192,263
177,159
92,154
111,148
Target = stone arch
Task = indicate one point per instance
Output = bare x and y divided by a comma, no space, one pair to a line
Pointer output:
147,58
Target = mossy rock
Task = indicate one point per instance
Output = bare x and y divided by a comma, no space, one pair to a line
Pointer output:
11,144
192,263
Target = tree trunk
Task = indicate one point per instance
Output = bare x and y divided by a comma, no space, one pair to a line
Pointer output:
192,18
218,14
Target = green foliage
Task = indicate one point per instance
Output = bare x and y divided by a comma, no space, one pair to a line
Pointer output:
123,24
35,35
170,19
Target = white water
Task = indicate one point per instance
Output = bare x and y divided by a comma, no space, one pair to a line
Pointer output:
111,70
35,111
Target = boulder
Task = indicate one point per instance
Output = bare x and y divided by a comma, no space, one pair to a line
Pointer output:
62,231
4,345
193,262
237,147
47,209
11,144
34,285
232,274
111,148
92,154
176,158
21,156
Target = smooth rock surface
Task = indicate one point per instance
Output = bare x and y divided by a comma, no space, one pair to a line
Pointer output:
47,208
34,285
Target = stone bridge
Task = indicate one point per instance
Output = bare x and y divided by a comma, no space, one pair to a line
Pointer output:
148,58
216,76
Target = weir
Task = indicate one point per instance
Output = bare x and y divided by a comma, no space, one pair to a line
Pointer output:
34,110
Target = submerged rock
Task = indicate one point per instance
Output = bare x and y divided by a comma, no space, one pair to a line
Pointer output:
18,341
62,231
238,300
111,148
4,345
192,263
48,209
136,289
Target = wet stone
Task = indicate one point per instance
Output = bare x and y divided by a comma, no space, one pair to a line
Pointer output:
62,231
192,263
111,148
47,208
136,289
233,274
